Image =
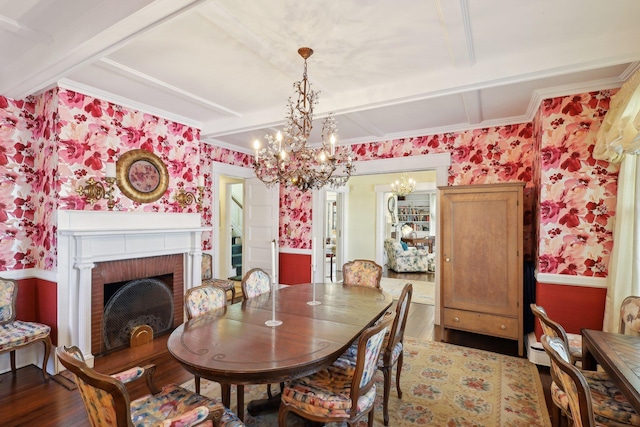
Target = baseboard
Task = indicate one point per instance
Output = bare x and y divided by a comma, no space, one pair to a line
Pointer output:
535,352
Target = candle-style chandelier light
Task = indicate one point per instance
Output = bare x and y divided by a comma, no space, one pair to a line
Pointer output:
403,186
288,160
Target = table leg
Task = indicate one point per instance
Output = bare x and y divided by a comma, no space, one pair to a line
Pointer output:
240,400
225,391
589,363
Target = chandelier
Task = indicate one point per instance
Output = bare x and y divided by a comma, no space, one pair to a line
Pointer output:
288,160
404,186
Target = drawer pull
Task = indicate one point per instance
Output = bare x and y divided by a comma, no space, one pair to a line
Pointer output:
447,259
456,319
503,327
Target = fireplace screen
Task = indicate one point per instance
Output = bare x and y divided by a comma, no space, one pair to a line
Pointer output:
139,302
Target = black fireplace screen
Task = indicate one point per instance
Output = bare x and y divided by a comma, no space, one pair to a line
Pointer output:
139,302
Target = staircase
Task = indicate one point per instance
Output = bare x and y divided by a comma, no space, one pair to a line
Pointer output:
236,257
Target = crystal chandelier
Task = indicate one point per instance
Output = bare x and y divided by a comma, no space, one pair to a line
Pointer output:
288,160
404,186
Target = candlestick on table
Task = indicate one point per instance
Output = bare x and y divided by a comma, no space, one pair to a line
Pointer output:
273,321
313,272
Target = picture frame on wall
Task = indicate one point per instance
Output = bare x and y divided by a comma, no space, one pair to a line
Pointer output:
142,176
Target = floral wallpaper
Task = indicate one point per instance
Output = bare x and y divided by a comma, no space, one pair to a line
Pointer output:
27,169
577,192
93,132
52,143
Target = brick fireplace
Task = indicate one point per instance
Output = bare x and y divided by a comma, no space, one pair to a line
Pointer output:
96,248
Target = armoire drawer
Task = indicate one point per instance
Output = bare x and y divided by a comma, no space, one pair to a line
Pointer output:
481,323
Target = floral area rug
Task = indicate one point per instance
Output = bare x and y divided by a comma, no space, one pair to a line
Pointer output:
443,385
423,292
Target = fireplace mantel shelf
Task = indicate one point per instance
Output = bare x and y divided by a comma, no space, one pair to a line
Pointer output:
125,231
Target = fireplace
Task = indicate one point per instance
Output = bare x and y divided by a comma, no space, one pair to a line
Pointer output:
166,269
96,248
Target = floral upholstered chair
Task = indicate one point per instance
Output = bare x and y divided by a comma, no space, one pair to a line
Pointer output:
255,282
588,402
362,272
630,316
392,347
15,334
207,277
343,392
200,300
408,259
107,401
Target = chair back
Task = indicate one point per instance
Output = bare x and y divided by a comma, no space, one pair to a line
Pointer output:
362,272
255,282
369,348
8,296
396,333
204,298
630,315
549,327
207,267
105,398
573,382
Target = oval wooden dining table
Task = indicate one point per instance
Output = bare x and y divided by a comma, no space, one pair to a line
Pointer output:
233,345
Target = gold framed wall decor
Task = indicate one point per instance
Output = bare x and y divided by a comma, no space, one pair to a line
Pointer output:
142,176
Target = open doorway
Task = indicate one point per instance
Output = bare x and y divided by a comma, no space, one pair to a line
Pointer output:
231,226
333,236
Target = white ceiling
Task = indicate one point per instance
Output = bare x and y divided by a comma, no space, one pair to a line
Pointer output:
387,68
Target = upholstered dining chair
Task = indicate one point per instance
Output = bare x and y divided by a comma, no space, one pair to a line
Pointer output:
554,329
207,277
107,401
255,282
200,300
392,347
343,392
589,402
630,315
16,334
362,272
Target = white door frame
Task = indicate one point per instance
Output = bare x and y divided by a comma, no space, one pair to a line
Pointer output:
222,169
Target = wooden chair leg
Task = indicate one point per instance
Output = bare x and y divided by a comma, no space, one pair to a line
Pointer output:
387,391
12,358
233,295
370,424
47,353
398,372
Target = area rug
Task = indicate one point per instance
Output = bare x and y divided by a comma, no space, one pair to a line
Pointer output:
423,292
443,385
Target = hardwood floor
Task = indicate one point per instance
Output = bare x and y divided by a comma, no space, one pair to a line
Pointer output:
26,400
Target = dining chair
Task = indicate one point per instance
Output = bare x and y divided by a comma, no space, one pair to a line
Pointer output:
341,392
207,278
16,334
107,401
630,315
554,329
362,272
255,282
392,347
588,402
200,300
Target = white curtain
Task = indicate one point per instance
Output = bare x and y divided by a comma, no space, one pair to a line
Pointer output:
618,141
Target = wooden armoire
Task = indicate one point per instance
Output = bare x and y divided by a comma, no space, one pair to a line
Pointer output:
481,259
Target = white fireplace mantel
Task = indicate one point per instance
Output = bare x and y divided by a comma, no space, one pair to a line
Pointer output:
88,237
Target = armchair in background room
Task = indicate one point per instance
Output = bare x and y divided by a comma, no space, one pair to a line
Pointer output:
405,258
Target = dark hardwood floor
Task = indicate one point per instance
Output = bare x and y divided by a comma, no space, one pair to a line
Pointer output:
26,400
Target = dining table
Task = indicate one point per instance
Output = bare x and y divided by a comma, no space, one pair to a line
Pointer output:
234,345
619,356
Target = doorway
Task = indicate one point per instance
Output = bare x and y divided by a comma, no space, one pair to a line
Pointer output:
332,236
